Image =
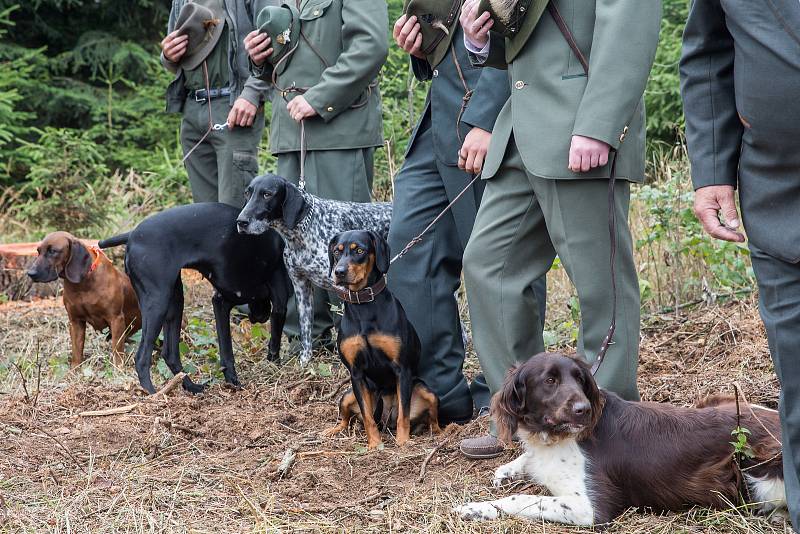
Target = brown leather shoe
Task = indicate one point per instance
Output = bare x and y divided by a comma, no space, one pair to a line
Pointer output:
481,448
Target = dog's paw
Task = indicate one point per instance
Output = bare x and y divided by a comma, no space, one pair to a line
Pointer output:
503,475
477,511
305,358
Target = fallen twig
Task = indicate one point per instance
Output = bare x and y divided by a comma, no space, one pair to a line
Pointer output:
170,425
425,462
169,386
338,388
109,411
287,463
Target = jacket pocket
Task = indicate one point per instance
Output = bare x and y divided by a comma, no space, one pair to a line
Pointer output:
315,9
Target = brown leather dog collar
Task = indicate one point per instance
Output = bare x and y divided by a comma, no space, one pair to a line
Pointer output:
361,296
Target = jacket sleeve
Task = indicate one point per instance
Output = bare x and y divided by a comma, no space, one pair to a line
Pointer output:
488,98
713,130
173,17
623,49
364,51
497,54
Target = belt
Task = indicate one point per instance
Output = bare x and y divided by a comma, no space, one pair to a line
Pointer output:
201,94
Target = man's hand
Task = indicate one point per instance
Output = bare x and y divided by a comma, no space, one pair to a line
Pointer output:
586,153
257,46
711,202
473,151
475,28
174,46
300,109
408,35
242,113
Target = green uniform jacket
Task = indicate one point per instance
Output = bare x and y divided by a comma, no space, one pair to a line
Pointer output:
350,35
552,99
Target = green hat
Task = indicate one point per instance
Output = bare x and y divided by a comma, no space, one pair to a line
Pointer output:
282,24
514,20
203,21
437,19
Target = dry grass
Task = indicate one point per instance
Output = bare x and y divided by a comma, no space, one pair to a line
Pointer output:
209,463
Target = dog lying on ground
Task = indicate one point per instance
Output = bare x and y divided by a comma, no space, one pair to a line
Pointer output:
95,292
242,269
376,341
599,455
306,224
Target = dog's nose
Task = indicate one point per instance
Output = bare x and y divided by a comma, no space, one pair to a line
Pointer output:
580,408
340,271
31,273
242,224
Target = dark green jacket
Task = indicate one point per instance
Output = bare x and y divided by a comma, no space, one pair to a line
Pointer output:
490,92
740,60
339,68
552,99
239,17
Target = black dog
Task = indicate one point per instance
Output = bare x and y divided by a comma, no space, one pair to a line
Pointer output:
376,341
244,269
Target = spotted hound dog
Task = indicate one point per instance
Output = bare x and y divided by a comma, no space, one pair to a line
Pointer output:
599,455
306,223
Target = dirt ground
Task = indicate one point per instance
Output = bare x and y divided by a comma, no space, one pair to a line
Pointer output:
210,463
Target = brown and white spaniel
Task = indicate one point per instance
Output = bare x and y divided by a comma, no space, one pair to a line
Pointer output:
599,455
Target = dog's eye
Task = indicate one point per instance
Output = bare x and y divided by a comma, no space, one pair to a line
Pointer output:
248,193
360,251
267,194
550,381
336,253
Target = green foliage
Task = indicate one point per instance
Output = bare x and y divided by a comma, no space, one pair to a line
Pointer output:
741,447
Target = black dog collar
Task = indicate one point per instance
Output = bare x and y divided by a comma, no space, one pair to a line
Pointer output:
362,296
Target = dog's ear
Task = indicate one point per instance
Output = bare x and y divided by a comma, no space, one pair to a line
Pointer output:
381,252
78,262
591,390
508,403
293,206
331,245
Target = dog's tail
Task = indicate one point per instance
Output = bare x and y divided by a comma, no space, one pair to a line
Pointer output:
115,241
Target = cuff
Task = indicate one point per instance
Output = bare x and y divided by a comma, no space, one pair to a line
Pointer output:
169,65
482,53
251,95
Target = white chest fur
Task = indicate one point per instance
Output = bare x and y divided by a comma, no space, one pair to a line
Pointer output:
560,466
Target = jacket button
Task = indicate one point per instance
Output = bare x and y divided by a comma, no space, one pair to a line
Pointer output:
330,108
519,84
316,12
435,73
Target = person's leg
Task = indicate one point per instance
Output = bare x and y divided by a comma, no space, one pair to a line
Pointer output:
201,166
240,162
577,219
509,249
779,303
425,279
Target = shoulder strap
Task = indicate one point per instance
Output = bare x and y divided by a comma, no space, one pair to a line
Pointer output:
565,31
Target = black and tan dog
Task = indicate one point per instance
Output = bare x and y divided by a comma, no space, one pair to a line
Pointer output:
376,342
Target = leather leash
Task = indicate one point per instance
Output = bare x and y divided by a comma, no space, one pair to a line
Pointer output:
612,212
211,126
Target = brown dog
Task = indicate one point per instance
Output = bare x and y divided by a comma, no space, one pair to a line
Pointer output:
95,292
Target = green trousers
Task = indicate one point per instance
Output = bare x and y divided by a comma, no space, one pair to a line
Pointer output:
336,175
224,163
524,221
779,303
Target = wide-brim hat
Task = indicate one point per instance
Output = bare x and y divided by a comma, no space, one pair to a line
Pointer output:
203,21
282,24
514,20
437,19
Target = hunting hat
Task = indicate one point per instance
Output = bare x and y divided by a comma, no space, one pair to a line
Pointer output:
203,21
437,19
282,24
514,20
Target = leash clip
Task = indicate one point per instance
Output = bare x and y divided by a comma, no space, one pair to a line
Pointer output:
220,126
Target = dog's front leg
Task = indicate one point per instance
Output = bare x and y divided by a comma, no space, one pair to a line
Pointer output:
118,329
571,510
514,470
77,334
222,318
304,298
